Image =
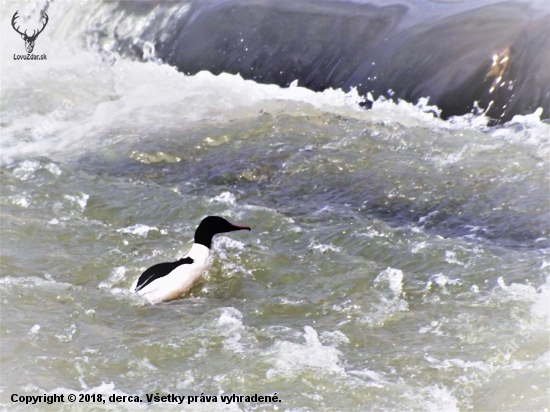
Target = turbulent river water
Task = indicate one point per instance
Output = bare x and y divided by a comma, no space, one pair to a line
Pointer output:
396,261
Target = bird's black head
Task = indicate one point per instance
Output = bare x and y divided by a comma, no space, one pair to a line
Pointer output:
212,225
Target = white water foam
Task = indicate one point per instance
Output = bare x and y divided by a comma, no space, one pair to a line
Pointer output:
387,306
28,168
394,278
223,243
108,93
540,298
20,200
225,197
137,94
32,282
319,247
80,200
138,229
116,276
236,338
433,398
291,359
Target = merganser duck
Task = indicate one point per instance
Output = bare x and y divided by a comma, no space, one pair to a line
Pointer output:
167,281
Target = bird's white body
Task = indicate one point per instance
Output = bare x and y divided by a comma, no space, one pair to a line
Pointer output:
179,280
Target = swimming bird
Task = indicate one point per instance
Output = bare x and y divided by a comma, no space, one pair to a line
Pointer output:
167,281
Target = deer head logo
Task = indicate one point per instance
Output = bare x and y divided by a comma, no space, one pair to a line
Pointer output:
29,40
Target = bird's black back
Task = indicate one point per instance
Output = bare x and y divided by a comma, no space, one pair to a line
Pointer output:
158,271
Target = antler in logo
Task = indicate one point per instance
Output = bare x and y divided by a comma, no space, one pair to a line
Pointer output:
29,40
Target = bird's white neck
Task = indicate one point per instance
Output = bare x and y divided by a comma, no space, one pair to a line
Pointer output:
199,253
